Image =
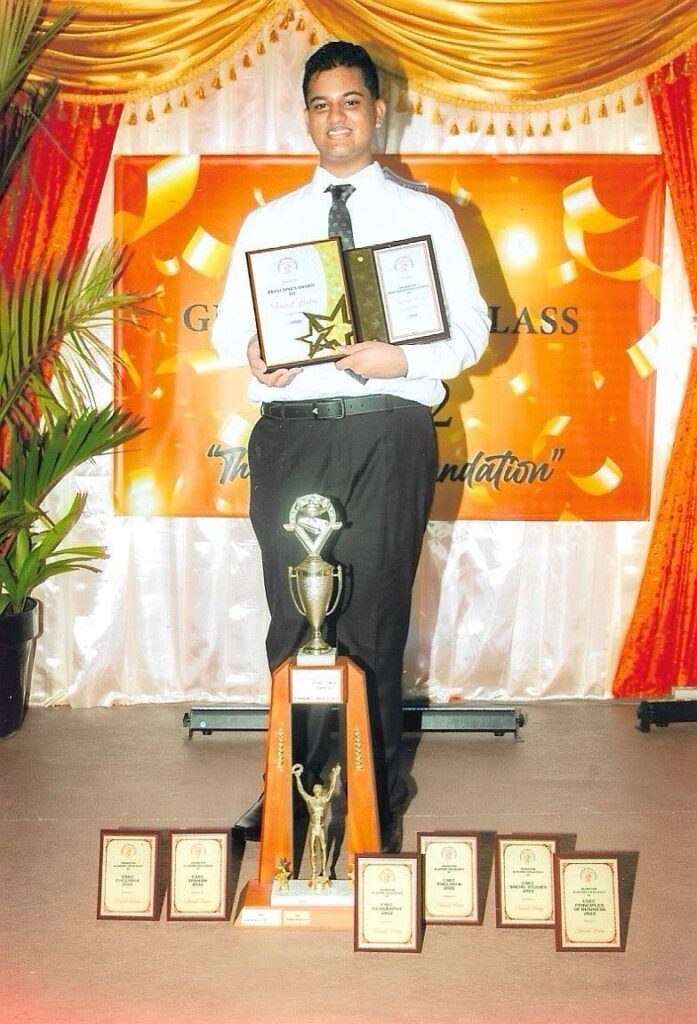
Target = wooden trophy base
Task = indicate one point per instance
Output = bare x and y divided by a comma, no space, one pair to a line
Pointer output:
256,910
257,905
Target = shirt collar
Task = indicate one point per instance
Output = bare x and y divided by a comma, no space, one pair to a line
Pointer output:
371,175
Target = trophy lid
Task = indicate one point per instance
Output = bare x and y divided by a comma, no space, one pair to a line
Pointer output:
306,520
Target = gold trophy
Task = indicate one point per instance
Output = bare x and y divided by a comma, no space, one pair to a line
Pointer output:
320,896
315,675
313,519
317,804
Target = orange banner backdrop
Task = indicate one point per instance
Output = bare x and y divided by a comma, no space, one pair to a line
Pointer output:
555,422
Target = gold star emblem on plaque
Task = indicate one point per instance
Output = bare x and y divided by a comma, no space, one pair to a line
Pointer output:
328,332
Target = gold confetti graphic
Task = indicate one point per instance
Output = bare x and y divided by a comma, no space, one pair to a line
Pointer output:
480,495
587,212
472,422
475,429
201,361
552,428
142,498
258,197
204,361
565,273
226,508
604,480
131,369
168,268
235,431
584,213
170,185
644,354
456,436
461,195
598,379
206,254
521,383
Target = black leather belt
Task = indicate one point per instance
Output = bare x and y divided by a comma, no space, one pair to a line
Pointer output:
333,408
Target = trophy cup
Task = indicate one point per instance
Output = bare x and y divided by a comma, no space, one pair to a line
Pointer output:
313,581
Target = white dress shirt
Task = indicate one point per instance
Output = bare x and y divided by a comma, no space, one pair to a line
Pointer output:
381,211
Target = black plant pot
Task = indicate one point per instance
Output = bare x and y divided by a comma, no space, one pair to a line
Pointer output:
18,635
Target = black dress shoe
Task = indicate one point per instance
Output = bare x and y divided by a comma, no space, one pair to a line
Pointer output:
402,794
248,825
392,834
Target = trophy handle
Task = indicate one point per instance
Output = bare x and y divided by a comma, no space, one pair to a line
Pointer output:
338,576
292,575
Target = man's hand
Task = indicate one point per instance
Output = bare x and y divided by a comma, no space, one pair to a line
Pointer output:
375,359
279,378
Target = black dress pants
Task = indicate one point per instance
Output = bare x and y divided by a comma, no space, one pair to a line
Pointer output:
378,468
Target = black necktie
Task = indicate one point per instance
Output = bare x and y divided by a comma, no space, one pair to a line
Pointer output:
339,223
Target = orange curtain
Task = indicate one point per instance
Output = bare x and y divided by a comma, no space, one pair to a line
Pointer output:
49,210
660,650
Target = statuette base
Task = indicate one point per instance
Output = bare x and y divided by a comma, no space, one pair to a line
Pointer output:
255,910
339,893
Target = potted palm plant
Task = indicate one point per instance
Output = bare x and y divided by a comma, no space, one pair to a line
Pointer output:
50,350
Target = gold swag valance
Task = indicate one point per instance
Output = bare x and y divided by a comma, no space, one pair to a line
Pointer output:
481,52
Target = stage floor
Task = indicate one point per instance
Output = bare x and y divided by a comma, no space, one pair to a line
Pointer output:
582,768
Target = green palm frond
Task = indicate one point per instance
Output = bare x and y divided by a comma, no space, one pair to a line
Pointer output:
23,36
38,464
17,125
49,320
37,555
23,39
31,550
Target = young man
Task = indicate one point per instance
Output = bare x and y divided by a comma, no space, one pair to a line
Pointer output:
363,438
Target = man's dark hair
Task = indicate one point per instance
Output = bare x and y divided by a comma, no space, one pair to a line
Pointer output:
342,55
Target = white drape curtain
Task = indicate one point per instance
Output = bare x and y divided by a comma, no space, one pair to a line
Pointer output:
501,610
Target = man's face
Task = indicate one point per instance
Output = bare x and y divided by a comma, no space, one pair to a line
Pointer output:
341,117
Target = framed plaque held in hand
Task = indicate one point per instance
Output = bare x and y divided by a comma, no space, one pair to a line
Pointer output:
301,303
199,870
129,862
524,866
588,899
450,877
388,914
397,292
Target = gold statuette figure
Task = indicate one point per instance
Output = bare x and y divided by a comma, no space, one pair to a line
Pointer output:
317,805
283,873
